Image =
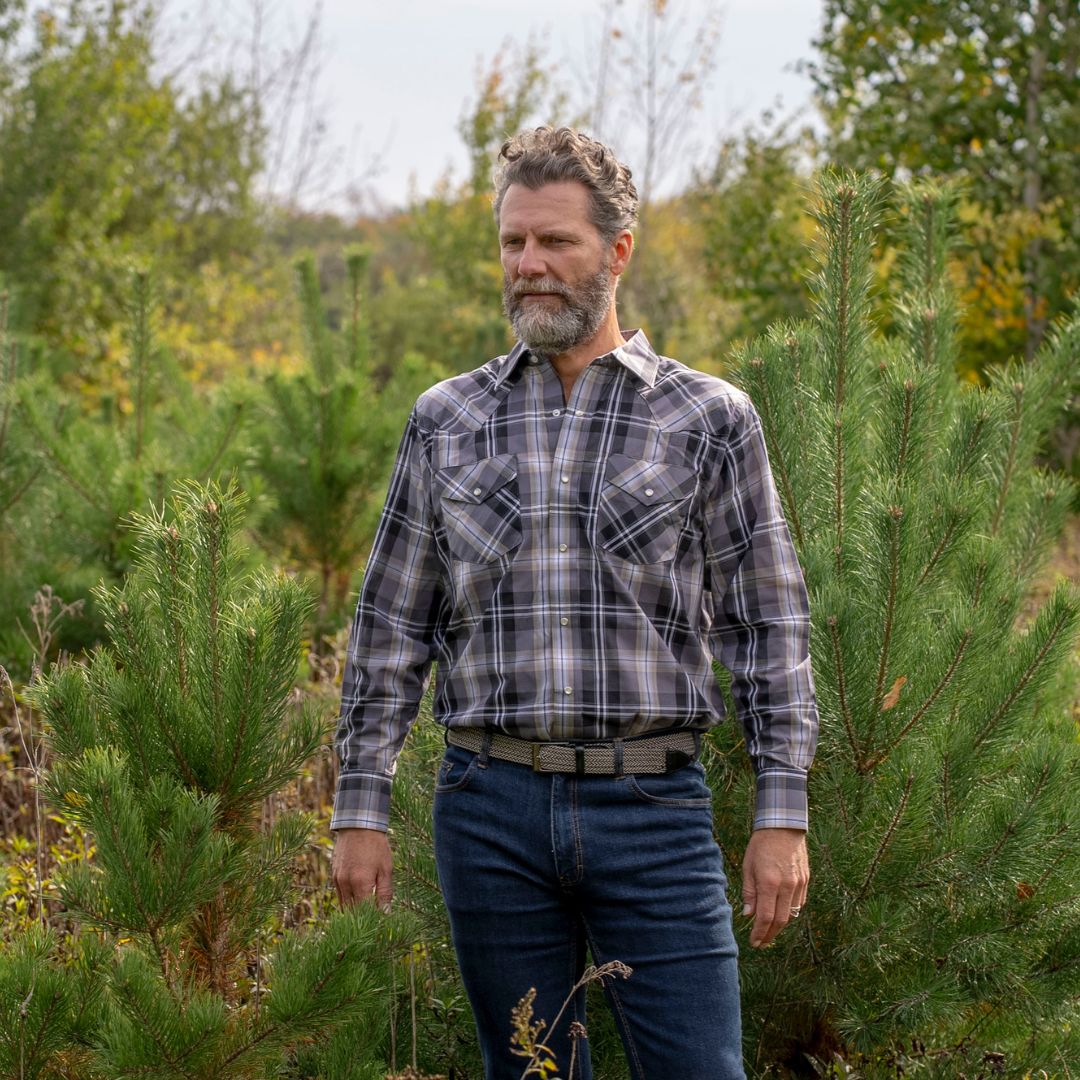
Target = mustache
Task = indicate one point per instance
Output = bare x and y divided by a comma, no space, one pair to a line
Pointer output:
539,285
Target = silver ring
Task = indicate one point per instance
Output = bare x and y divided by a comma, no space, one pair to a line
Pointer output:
796,912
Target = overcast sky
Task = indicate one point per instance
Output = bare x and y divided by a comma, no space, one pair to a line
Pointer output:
396,75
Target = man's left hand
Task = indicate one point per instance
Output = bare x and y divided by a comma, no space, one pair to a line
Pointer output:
776,872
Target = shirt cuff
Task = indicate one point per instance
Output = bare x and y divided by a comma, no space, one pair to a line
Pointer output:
362,802
781,799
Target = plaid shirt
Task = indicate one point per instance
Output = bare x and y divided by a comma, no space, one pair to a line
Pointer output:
574,568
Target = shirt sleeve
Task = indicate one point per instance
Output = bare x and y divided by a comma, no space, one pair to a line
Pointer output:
761,626
391,645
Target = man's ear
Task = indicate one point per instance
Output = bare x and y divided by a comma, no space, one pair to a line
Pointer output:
622,247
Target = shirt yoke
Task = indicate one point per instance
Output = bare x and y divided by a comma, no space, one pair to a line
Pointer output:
685,399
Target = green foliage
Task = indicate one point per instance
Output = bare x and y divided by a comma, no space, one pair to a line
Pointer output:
102,158
97,468
167,744
755,228
50,1005
326,443
983,90
945,841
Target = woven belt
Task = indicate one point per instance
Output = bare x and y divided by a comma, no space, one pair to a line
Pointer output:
652,754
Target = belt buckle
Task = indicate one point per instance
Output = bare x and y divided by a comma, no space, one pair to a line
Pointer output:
538,763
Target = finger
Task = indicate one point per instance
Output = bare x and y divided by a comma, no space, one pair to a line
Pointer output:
749,897
355,887
773,918
764,917
384,889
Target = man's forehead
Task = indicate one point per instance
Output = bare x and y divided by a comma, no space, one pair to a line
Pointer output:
565,201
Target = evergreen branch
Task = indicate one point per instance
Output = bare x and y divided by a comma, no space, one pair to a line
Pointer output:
895,514
838,492
1061,856
241,726
69,476
212,934
1010,462
160,1043
791,344
847,194
886,839
920,712
172,554
1010,827
21,491
905,427
842,805
164,727
1032,668
980,581
223,445
939,550
152,926
967,458
928,249
42,1028
927,341
213,548
777,459
274,1026
946,804
841,685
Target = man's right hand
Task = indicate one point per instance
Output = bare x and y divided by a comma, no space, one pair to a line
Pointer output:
363,867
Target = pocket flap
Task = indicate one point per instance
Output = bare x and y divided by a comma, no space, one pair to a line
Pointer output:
650,482
478,480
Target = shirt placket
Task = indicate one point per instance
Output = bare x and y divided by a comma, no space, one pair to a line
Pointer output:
566,538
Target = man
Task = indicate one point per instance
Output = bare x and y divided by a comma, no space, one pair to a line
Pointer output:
573,531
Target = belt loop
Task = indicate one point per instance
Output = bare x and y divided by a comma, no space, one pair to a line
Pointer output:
579,759
485,749
616,757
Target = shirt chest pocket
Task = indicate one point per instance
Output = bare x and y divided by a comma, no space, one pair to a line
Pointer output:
643,508
480,508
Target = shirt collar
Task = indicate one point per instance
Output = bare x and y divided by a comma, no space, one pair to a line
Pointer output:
635,354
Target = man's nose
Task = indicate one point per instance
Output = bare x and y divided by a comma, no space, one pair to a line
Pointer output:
531,263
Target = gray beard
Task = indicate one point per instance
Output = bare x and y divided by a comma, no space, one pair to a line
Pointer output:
556,329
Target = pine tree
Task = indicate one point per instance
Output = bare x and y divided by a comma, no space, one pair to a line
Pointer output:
326,444
166,743
944,920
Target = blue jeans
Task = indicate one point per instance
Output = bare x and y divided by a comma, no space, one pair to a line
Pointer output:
536,867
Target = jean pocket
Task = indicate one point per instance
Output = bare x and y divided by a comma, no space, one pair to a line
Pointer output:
456,770
643,508
480,508
685,787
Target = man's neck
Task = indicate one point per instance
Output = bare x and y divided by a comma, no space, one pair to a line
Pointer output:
570,364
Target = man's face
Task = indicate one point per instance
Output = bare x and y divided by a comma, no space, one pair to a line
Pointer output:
557,282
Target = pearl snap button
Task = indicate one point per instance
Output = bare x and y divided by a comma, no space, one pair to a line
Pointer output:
648,491
477,491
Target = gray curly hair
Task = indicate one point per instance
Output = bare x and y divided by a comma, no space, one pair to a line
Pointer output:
548,155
